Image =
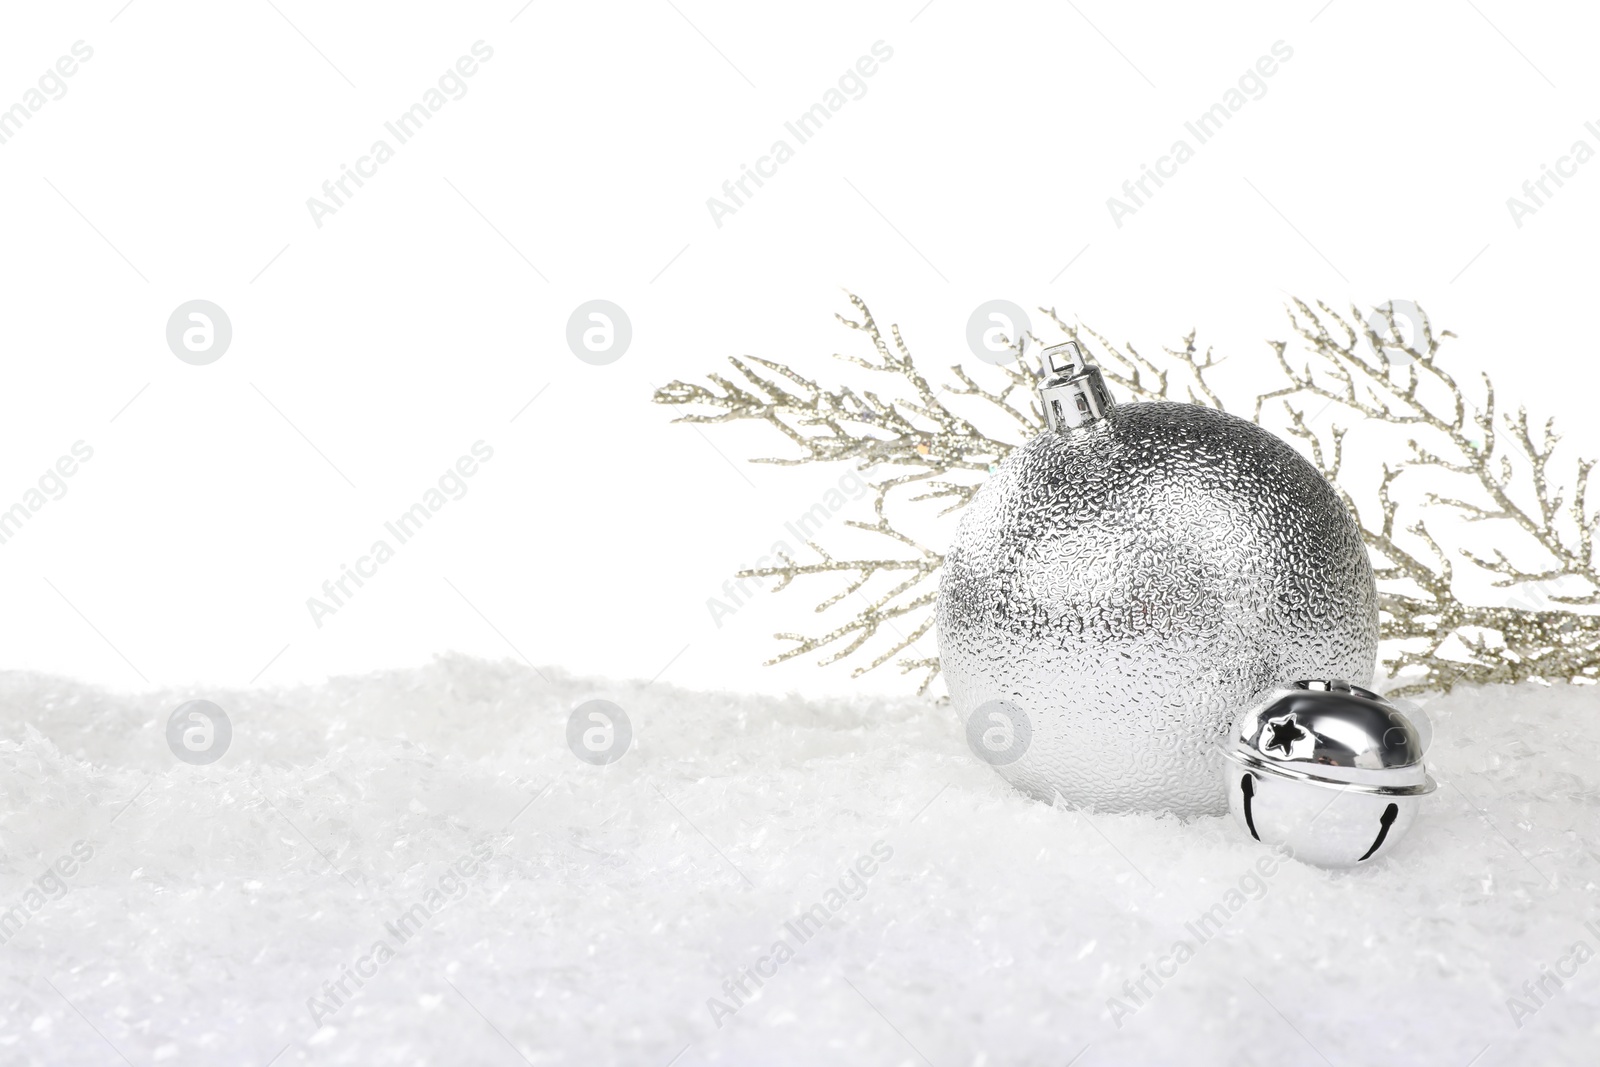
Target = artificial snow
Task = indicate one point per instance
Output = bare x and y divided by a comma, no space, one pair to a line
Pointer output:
537,908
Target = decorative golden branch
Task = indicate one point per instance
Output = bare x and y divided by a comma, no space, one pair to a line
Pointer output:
914,444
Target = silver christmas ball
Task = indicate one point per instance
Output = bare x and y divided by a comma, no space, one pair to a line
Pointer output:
1128,580
1331,770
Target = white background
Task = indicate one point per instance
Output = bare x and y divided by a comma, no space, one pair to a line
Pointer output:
415,321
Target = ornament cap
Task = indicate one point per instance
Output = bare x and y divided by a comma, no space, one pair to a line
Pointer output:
1073,392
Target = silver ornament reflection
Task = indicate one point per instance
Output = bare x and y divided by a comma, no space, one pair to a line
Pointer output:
1131,578
1329,769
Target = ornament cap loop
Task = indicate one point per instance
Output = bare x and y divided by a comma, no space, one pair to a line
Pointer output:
1073,392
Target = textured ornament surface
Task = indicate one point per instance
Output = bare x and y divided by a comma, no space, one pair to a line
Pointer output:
1131,585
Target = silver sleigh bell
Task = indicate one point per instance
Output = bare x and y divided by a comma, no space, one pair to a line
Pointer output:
1327,768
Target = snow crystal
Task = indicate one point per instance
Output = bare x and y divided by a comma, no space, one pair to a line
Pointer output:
532,906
